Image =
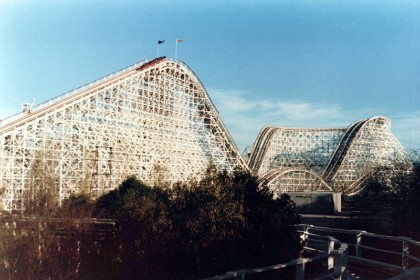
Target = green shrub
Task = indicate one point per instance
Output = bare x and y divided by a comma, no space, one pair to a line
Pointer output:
200,228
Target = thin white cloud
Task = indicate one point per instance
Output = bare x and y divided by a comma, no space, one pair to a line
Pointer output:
234,102
245,115
303,112
231,100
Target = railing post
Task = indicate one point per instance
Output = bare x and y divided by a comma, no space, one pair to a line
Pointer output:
338,263
329,250
404,253
300,271
358,242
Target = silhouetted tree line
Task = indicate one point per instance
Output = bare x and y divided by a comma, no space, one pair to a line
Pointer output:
185,231
43,241
396,189
414,204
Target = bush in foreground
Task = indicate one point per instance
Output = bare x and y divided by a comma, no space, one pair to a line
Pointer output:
200,228
191,230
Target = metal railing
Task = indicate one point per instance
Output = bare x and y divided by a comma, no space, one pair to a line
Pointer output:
400,254
389,252
327,259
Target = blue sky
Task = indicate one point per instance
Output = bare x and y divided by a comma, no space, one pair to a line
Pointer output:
283,63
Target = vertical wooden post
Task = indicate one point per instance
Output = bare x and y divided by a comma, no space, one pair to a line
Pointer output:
358,242
300,271
404,253
330,249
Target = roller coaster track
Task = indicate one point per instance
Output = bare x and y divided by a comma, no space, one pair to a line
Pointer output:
263,141
357,185
341,150
269,177
154,113
13,121
338,159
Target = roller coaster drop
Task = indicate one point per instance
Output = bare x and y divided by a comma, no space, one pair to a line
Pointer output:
155,120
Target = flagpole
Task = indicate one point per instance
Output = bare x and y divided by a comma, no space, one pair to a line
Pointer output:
176,49
157,47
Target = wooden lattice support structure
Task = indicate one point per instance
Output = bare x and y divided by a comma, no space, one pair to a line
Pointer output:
154,120
339,159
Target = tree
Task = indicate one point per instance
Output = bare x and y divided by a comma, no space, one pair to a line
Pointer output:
44,240
135,207
393,192
31,246
207,218
270,233
200,228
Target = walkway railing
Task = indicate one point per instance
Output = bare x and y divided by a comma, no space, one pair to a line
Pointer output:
388,252
326,259
401,252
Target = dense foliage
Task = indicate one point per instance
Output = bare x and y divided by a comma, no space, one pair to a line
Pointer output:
36,243
414,204
185,231
390,204
200,228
